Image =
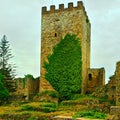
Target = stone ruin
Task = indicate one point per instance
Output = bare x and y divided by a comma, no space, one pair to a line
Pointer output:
115,110
25,89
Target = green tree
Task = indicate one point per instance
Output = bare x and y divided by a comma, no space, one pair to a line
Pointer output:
6,69
64,67
4,94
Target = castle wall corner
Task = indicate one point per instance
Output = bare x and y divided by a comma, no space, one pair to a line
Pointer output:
96,79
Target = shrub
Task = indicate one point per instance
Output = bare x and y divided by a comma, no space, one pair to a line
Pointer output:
29,76
52,94
104,98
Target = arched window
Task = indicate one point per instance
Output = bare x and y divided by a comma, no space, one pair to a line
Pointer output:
55,34
90,76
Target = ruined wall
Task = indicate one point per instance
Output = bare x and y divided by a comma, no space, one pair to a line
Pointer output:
115,110
31,87
117,75
96,79
112,88
26,88
114,85
56,24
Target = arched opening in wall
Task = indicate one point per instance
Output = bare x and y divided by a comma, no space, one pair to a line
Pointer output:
55,34
90,76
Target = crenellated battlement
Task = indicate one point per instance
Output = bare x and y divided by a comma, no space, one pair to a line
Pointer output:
62,8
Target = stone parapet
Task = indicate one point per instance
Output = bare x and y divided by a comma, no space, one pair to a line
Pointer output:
62,8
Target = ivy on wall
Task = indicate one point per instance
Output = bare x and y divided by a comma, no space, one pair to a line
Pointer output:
64,67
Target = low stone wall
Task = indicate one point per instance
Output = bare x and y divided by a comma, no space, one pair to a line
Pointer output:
20,97
14,117
115,112
67,118
22,117
96,79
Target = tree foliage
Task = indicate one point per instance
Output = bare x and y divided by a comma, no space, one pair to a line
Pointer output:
6,69
3,91
64,67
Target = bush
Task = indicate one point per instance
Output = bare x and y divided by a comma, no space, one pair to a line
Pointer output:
28,76
104,98
52,94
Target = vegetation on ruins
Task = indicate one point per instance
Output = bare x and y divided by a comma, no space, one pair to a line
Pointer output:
82,107
29,76
64,66
53,94
6,69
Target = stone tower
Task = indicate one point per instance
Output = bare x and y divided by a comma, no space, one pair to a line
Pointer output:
57,23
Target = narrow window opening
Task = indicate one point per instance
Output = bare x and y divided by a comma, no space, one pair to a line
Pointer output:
55,34
90,77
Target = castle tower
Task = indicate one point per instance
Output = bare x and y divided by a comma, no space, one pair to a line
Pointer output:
56,23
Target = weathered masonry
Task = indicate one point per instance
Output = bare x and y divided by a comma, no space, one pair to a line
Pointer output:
56,23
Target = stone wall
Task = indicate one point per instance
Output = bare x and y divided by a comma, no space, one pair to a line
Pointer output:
115,113
117,75
114,85
96,79
56,23
25,89
112,88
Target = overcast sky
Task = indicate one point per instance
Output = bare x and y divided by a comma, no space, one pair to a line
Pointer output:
20,21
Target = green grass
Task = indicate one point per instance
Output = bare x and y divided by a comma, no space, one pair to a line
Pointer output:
31,118
45,109
90,114
42,107
79,97
28,108
78,100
